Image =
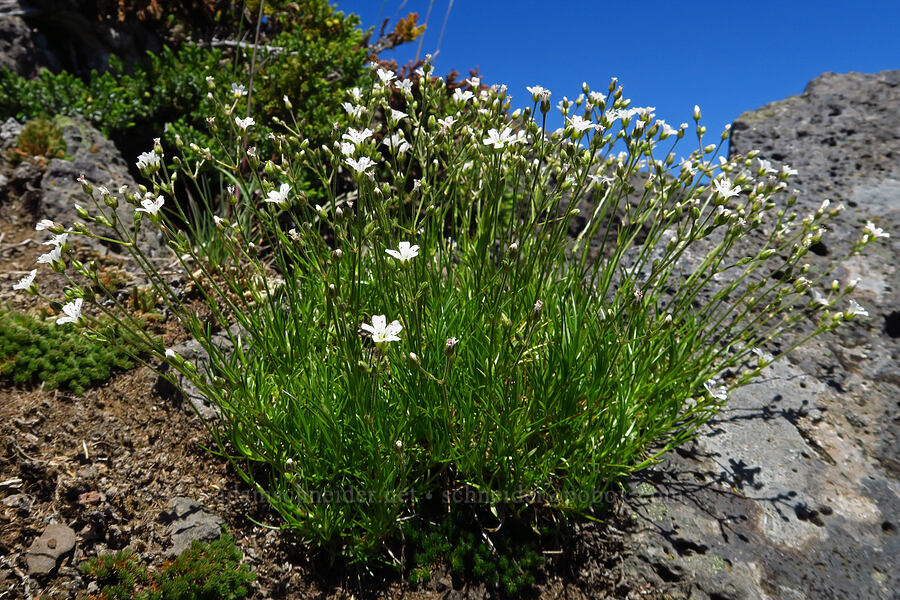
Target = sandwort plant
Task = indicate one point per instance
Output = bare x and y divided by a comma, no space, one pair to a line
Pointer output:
480,311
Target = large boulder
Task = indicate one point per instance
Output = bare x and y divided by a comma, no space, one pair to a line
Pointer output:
793,491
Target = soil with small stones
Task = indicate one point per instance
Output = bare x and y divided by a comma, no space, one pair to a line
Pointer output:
108,463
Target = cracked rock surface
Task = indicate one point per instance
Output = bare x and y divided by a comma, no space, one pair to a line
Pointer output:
792,491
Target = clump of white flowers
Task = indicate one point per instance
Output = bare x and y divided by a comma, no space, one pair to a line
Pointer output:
572,298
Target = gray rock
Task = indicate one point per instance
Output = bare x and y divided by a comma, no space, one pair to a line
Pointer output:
9,133
792,491
22,49
101,163
175,384
189,521
47,551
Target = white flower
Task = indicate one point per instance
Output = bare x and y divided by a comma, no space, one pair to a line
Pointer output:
170,353
599,179
397,115
279,196
474,82
148,161
666,130
874,232
763,358
446,123
357,137
355,93
787,170
765,166
724,188
404,85
500,139
26,281
244,123
72,310
538,93
404,252
462,96
354,110
347,149
51,257
855,310
151,206
44,224
361,165
818,297
580,125
385,76
597,98
383,332
238,90
396,142
58,240
717,392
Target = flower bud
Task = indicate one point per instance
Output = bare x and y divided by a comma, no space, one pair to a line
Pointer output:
450,346
697,113
86,187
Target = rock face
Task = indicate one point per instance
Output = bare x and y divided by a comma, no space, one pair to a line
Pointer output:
793,491
102,164
76,35
23,49
187,522
49,549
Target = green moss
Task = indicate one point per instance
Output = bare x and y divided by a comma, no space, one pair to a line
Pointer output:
203,572
504,561
36,350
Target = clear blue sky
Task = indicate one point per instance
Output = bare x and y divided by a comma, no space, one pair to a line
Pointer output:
726,56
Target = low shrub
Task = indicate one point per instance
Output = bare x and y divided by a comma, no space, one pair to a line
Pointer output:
40,140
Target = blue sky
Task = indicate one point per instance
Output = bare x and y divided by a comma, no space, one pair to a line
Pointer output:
726,56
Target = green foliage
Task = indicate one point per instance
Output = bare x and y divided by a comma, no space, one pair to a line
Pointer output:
33,350
40,139
117,574
210,571
171,84
322,55
505,560
316,54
